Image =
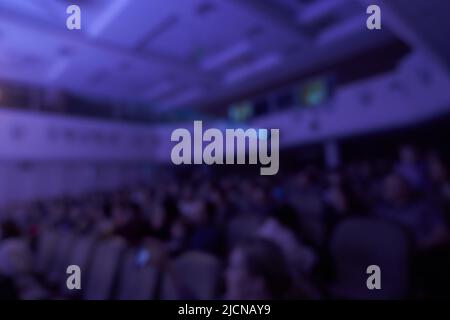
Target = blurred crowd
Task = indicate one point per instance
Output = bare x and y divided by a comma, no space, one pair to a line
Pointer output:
307,234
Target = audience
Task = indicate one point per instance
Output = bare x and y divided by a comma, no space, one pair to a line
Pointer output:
422,219
257,270
286,255
282,228
15,259
205,235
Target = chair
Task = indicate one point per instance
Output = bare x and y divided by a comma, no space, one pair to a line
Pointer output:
45,250
63,249
197,275
136,282
81,255
361,242
104,268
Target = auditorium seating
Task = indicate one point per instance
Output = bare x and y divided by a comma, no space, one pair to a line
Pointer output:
46,248
359,243
242,227
80,255
63,250
104,269
137,282
195,275
125,252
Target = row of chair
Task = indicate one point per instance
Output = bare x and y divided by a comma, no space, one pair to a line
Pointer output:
109,270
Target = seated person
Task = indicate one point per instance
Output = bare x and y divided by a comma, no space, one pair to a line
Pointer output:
15,261
282,227
204,233
257,271
420,218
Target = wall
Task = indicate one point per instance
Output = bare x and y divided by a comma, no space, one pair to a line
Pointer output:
416,91
22,181
46,155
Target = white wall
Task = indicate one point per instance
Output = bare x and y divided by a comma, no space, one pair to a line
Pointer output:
44,156
37,136
23,181
398,98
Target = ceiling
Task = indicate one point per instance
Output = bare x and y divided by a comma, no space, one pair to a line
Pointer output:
177,53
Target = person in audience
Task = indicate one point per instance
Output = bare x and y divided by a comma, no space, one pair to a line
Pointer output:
420,218
190,212
411,168
341,202
282,227
205,235
179,236
257,271
159,224
15,259
15,256
130,224
439,188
